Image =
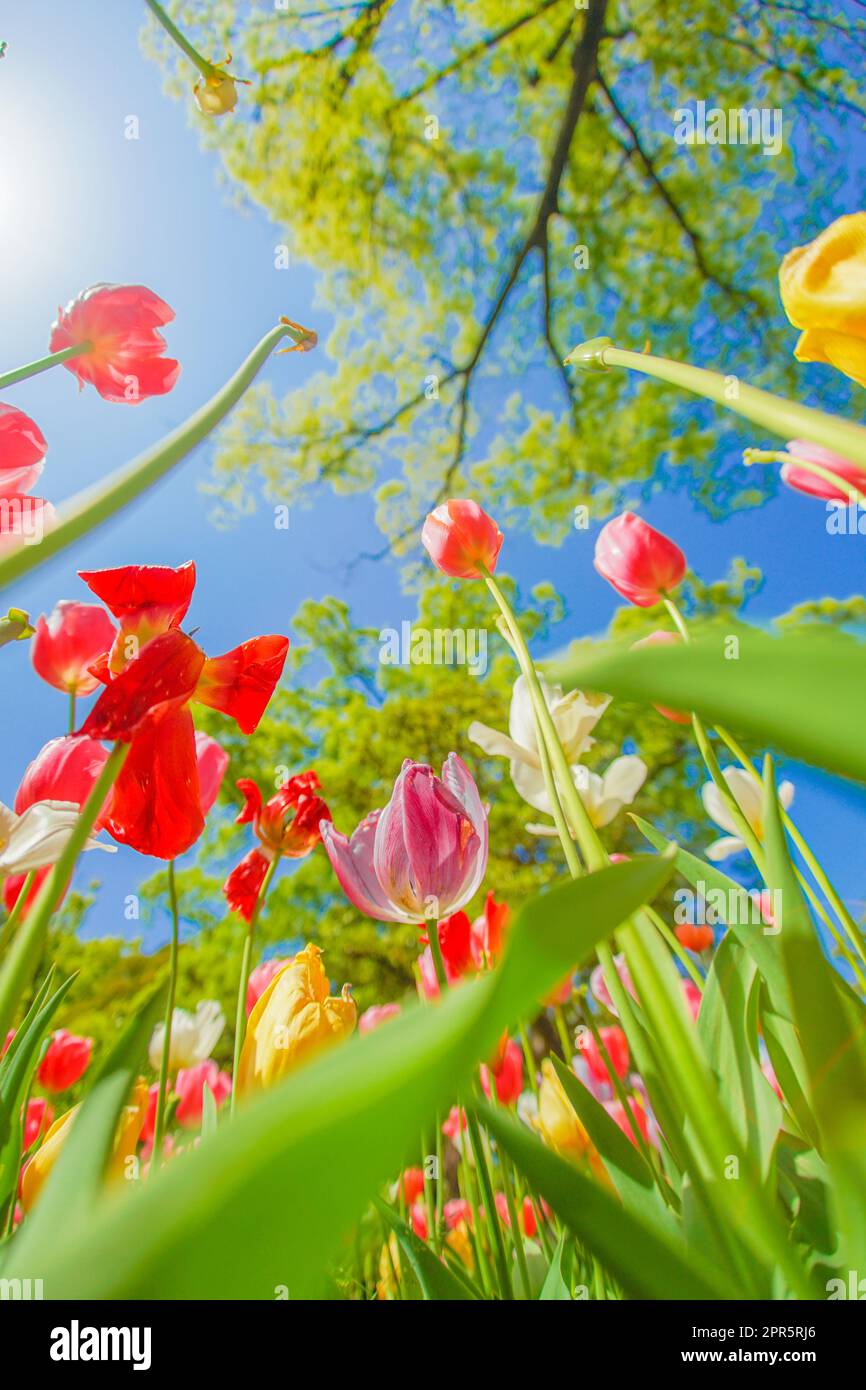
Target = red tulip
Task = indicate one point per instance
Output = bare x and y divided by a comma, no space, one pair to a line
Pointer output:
695,938
156,807
64,770
65,1061
212,761
692,996
455,944
22,449
640,563
189,1085
418,1218
288,824
374,1017
15,882
801,480
38,1120
661,638
261,977
616,1110
508,1075
119,324
69,642
411,1183
526,1213
614,1040
459,536
488,932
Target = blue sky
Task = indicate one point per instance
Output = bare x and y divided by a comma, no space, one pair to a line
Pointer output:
81,203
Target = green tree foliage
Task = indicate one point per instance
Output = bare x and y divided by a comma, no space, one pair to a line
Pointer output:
479,184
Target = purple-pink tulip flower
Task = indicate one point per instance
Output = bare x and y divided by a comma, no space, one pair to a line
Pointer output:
424,855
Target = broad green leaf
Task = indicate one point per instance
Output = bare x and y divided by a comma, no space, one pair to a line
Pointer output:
629,1171
636,1254
833,1038
725,1024
740,915
763,686
435,1279
264,1203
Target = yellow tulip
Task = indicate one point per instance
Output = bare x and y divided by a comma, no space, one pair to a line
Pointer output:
216,95
293,1019
126,1137
557,1121
823,288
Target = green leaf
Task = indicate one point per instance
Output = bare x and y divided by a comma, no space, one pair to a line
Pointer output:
629,1171
265,1202
557,1286
727,1025
637,1255
832,1034
435,1279
766,687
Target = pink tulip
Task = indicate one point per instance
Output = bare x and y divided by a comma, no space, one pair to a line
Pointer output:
424,855
189,1085
614,1040
418,1219
455,1124
599,987
455,1211
692,996
640,563
260,978
508,1075
22,449
616,1110
459,536
212,762
65,769
68,642
376,1015
38,1120
801,480
65,1061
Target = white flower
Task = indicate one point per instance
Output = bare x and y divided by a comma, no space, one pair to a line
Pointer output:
39,836
193,1036
603,796
747,793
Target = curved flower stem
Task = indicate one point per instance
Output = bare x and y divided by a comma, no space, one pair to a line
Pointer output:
165,1059
96,505
846,920
8,928
852,492
28,941
205,68
788,419
43,364
246,959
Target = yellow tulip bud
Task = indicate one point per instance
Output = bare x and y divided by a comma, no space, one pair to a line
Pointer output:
557,1120
126,1137
217,94
293,1019
823,289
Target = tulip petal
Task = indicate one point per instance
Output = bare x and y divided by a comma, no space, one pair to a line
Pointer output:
352,862
165,673
156,805
241,682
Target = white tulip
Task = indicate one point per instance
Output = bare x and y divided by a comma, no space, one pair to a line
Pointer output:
747,793
39,836
193,1036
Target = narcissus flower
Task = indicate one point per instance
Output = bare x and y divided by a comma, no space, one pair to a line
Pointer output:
747,794
662,638
189,1086
287,825
823,289
507,1076
293,1020
22,450
261,977
459,536
126,1138
615,1043
376,1015
802,480
695,938
67,643
193,1036
642,564
118,325
153,672
424,855
65,1062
